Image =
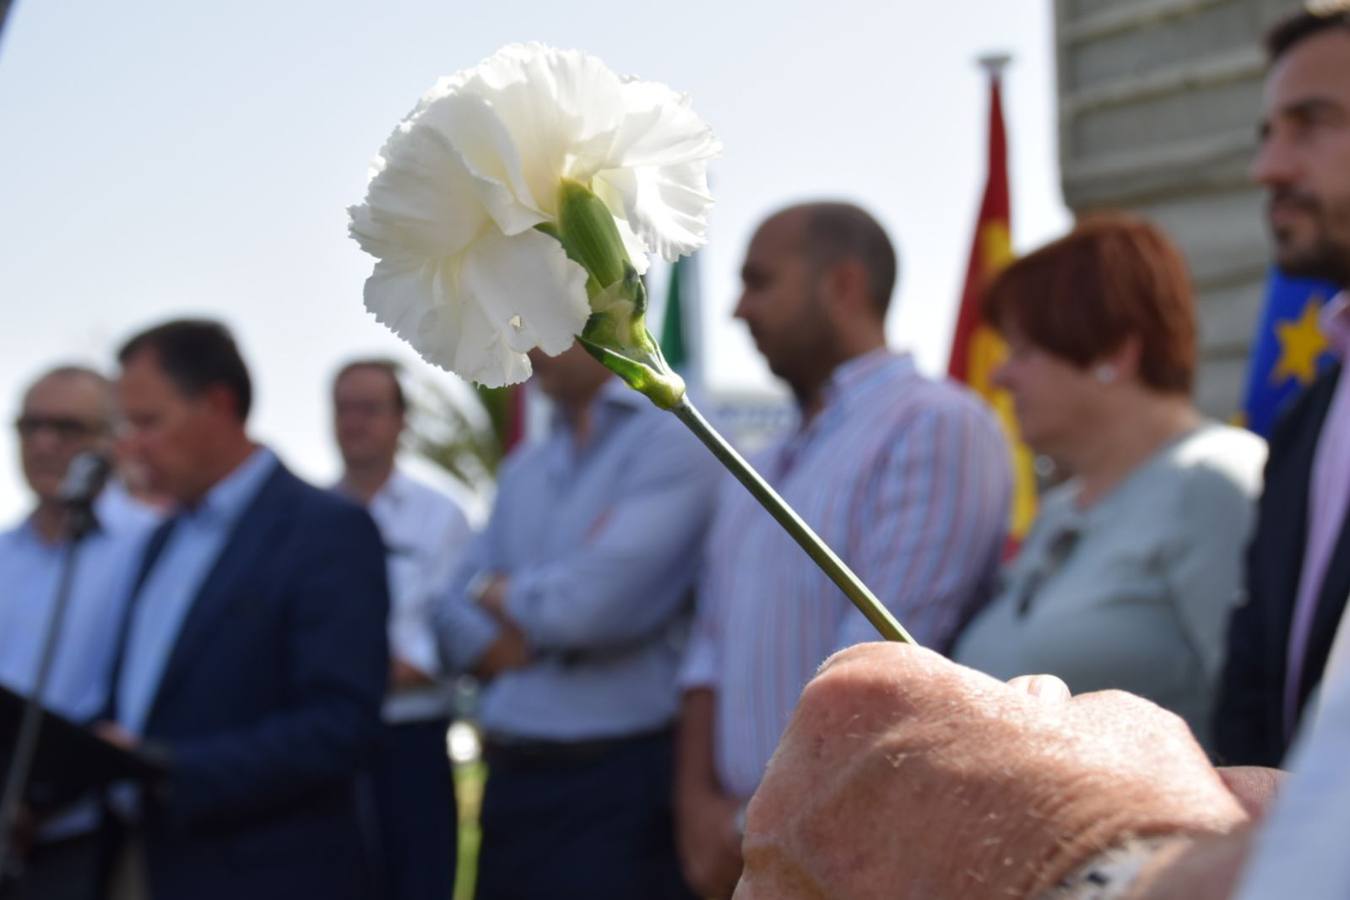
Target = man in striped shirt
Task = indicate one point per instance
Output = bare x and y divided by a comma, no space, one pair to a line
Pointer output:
905,477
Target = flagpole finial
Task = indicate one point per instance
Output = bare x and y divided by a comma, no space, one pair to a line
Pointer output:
995,63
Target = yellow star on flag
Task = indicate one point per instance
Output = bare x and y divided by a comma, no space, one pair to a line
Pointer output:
1301,343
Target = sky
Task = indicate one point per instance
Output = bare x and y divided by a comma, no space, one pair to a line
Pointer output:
169,159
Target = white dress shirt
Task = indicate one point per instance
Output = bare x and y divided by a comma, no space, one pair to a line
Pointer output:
425,532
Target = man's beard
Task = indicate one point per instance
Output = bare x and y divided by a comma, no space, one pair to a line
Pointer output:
1321,256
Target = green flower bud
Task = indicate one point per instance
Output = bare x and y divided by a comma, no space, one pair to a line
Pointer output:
616,333
588,233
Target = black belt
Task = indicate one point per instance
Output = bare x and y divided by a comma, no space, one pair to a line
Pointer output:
523,753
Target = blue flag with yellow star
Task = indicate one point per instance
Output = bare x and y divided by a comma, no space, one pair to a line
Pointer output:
1288,350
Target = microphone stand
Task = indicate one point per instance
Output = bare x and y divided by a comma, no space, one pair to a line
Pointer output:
81,522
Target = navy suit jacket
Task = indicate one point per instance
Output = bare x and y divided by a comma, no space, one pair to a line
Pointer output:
1249,717
270,704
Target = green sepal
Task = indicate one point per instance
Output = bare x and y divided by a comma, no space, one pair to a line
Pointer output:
654,380
588,233
616,332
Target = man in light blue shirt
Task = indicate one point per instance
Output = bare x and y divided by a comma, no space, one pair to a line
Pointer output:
66,412
574,602
905,477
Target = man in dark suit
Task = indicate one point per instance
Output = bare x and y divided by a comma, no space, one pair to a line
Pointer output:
253,655
1298,566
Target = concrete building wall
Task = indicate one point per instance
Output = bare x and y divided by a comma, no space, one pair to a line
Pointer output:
1158,101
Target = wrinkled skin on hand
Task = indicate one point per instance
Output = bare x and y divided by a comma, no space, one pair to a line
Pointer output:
903,775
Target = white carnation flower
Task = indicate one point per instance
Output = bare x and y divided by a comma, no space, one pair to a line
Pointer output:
461,189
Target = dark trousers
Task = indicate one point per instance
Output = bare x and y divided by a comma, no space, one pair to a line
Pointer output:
416,817
61,870
587,821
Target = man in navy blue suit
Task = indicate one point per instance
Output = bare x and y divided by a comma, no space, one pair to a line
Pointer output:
253,655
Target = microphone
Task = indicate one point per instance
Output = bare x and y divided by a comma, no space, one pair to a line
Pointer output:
85,477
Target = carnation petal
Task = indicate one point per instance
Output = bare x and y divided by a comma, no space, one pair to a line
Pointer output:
553,103
531,291
491,155
421,201
657,163
667,207
637,249
483,353
660,128
480,313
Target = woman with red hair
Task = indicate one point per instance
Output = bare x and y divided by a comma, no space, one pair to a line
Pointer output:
1133,565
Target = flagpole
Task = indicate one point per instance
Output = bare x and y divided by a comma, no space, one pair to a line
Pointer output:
994,63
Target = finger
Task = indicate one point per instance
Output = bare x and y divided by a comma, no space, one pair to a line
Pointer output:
1047,687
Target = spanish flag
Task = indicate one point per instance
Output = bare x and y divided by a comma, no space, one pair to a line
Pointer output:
976,349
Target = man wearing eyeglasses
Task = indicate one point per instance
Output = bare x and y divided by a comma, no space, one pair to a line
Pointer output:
66,412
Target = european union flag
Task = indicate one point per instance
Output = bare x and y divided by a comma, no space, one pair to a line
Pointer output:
1288,350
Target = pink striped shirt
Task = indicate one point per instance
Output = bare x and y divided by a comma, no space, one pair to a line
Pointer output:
907,479
1328,496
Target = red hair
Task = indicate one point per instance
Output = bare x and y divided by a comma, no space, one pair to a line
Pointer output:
1113,277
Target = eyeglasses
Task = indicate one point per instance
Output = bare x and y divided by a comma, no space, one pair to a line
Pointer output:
65,428
365,409
1057,553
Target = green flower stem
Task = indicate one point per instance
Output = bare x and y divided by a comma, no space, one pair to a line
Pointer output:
616,335
820,553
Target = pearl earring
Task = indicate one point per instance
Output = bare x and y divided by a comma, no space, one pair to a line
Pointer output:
1105,373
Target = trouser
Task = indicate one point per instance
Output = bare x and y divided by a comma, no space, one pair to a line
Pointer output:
416,817
67,869
589,820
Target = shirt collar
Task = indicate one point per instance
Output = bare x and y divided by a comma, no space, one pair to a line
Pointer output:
849,380
613,396
394,490
226,500
25,533
1335,322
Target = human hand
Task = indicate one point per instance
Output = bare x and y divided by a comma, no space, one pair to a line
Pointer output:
491,596
508,651
708,839
116,735
404,675
905,775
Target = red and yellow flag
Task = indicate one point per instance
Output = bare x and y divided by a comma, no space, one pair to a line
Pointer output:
976,349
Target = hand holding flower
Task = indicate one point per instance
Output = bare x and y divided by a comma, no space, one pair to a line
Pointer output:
987,789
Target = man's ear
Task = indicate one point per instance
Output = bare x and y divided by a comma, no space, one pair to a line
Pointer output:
220,399
845,284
